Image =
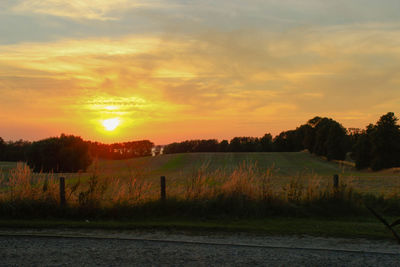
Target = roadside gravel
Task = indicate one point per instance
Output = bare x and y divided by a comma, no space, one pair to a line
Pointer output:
54,247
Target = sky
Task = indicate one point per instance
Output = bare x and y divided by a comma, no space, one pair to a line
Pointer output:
172,70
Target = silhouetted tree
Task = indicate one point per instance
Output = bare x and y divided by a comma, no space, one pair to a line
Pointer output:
124,150
385,140
15,151
362,149
286,142
223,146
336,142
306,135
59,154
378,146
2,148
210,145
329,138
266,142
245,144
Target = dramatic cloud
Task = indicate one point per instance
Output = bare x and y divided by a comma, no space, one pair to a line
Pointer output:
200,69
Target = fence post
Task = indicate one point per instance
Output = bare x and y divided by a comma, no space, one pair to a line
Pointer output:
336,181
62,192
163,190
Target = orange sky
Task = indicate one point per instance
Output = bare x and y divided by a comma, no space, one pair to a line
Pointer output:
174,70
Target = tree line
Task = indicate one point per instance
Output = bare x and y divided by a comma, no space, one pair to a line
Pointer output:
376,147
69,153
321,136
13,150
123,150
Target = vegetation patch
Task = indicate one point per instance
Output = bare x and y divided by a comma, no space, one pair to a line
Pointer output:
245,192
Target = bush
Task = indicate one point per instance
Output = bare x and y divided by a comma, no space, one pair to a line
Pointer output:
59,154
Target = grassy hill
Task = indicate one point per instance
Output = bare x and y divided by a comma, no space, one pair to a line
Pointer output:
283,163
285,166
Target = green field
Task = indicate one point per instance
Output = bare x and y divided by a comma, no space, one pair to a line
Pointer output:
284,166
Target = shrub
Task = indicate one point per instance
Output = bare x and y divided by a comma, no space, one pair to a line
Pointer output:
59,154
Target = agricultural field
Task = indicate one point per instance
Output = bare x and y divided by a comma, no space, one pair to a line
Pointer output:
280,167
5,167
201,185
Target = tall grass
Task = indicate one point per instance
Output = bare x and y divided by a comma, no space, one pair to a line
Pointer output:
22,185
245,191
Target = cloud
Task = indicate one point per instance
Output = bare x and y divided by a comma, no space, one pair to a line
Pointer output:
216,80
79,9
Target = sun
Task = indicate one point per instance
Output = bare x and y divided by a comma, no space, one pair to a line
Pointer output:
111,124
110,108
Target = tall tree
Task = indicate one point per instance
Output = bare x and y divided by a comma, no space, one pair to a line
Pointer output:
59,154
223,146
266,142
2,148
15,150
385,139
362,148
328,138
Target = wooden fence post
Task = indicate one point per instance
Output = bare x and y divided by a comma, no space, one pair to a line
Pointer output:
62,192
163,188
336,181
336,186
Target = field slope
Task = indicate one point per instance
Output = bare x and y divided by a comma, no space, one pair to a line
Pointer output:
284,165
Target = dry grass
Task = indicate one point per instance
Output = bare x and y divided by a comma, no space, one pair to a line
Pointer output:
246,181
247,185
23,185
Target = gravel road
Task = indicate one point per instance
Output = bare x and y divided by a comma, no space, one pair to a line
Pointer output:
133,248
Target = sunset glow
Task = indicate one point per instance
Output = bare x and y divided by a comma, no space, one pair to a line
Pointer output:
173,70
111,108
111,124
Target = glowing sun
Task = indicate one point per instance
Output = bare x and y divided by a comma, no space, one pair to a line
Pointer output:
111,124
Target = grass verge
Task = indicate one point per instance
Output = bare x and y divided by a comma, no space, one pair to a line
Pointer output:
346,227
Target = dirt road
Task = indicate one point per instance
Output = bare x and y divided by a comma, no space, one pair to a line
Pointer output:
134,248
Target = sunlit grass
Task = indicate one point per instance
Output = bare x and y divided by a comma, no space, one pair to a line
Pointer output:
245,184
199,188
